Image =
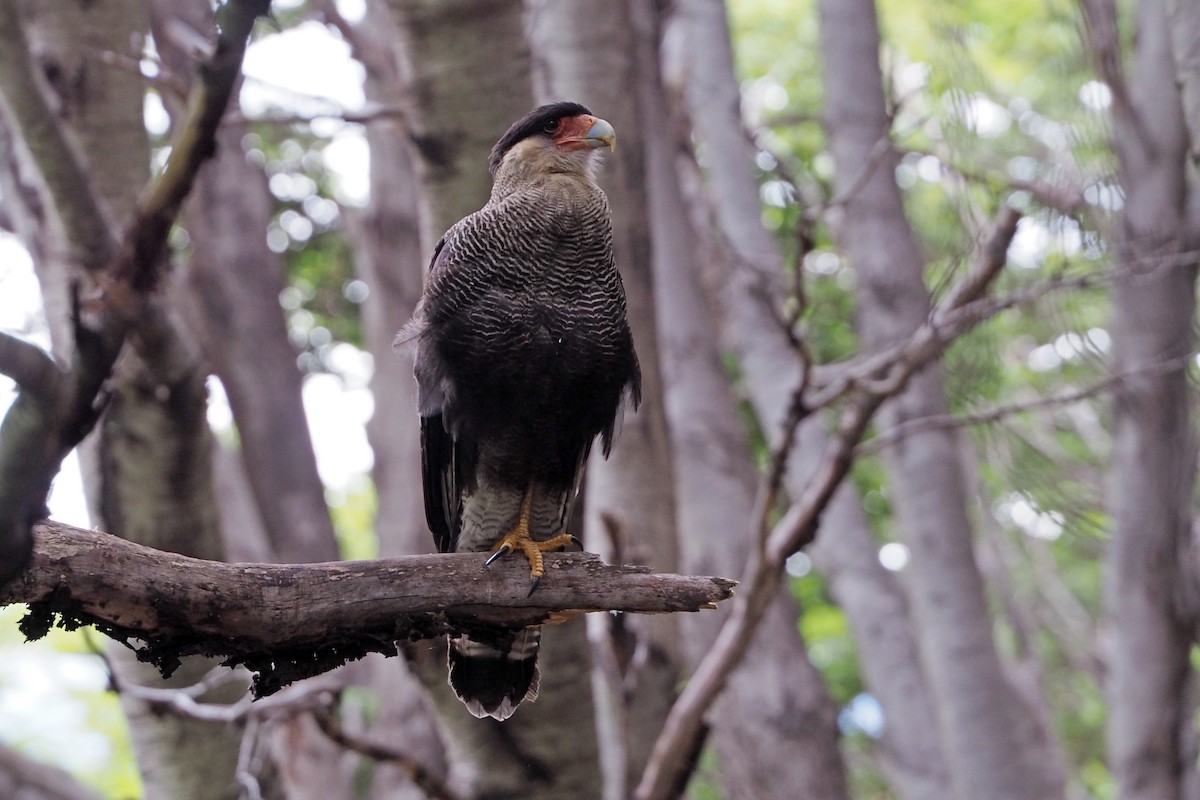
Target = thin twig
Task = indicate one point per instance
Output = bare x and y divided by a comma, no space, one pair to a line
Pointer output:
246,770
416,772
363,117
988,416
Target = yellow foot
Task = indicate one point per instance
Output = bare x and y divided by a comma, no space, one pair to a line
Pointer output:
518,539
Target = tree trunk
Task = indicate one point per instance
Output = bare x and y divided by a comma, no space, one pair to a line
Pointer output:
910,752
234,282
469,82
1153,471
995,747
233,285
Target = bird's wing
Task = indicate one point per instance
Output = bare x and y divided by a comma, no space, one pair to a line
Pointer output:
439,471
476,259
443,505
458,278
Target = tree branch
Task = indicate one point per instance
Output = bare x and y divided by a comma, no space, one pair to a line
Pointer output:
1111,383
33,370
414,770
39,431
287,622
667,770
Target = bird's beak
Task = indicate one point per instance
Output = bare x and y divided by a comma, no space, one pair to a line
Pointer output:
601,134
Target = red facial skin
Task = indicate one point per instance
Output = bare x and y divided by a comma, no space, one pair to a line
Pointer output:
572,132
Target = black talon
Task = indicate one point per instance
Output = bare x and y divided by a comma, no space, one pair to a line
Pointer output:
575,541
533,585
503,551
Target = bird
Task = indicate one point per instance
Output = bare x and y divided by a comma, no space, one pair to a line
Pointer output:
523,358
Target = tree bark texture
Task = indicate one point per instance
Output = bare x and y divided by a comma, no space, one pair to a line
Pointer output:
98,101
749,277
1153,471
995,747
470,81
160,595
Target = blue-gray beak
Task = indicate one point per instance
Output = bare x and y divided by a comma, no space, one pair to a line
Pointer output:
601,134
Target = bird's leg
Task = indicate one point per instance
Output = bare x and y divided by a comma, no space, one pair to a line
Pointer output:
518,539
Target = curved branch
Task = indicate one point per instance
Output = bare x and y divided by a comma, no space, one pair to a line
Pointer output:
287,622
33,370
37,435
669,764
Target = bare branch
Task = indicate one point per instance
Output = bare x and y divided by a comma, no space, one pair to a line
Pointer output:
137,262
366,116
416,772
944,421
287,622
38,435
669,762
963,307
32,369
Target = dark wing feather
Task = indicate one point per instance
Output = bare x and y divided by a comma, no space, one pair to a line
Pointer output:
442,505
440,466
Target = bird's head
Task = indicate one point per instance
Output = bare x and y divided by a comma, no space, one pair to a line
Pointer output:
560,137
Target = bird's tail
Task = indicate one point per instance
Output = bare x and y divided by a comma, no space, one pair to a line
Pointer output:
492,681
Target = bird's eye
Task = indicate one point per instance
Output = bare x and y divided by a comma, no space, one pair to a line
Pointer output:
552,126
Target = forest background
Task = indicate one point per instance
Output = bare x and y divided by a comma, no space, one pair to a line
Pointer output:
939,257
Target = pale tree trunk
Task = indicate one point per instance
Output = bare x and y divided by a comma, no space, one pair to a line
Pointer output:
233,282
150,477
630,496
909,752
775,728
230,293
1151,615
102,106
470,79
995,747
469,82
389,257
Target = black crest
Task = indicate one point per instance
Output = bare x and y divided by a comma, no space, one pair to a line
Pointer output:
532,124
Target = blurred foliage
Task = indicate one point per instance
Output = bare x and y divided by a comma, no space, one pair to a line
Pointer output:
353,510
323,296
65,717
987,100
